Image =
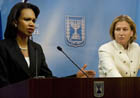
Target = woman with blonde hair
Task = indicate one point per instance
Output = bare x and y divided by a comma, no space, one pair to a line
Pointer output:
121,56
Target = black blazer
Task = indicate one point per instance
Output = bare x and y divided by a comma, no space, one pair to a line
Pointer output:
13,66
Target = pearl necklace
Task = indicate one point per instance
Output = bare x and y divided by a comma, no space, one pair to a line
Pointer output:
23,48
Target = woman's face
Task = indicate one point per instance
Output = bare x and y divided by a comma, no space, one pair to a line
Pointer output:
123,33
26,22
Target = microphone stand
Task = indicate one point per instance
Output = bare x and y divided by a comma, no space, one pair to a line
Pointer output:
36,66
60,49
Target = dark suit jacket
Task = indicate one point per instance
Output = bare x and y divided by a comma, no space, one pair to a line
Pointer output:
13,66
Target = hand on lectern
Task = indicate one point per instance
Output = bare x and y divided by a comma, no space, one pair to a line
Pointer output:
89,73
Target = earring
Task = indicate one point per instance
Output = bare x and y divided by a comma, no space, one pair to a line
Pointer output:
15,25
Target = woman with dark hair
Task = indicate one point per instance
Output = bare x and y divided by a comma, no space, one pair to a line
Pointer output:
18,54
11,28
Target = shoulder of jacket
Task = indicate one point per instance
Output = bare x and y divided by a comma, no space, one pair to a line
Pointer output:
6,42
134,44
107,45
35,44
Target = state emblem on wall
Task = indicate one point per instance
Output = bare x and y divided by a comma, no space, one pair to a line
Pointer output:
75,31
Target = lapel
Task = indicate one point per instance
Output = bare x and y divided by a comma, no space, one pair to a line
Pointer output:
20,60
18,57
32,56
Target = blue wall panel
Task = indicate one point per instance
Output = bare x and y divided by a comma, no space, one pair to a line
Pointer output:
51,28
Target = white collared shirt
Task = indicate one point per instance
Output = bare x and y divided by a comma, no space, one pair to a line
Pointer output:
28,61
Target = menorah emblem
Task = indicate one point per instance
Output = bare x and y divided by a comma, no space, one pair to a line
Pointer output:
75,25
98,88
75,31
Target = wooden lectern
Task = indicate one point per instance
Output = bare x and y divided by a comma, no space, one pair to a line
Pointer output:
74,88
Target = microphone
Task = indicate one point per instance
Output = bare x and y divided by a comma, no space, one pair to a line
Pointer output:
60,49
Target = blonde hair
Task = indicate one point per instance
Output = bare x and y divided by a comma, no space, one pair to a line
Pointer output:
129,21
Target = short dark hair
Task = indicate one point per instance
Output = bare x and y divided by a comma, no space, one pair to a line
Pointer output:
11,30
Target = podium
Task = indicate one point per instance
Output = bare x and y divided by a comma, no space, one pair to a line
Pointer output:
74,88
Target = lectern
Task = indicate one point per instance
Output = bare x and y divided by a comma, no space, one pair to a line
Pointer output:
74,88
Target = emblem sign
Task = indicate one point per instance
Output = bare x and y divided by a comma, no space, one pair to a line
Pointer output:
75,31
98,88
